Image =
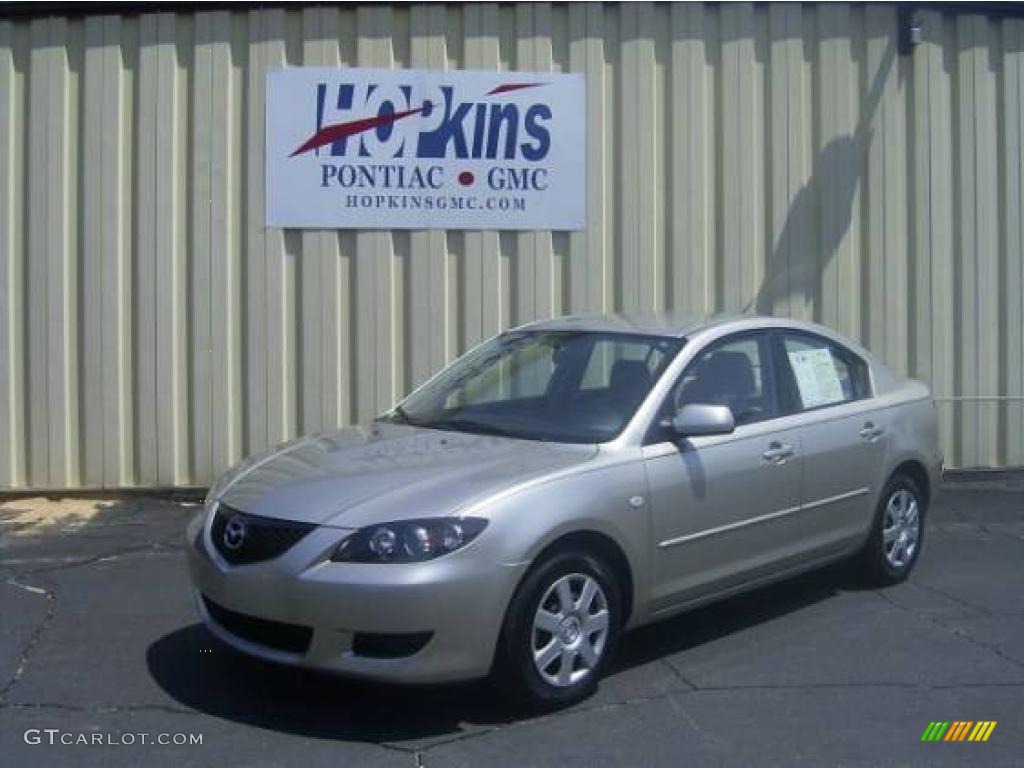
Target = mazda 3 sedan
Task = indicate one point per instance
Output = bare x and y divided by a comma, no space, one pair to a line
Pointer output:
559,484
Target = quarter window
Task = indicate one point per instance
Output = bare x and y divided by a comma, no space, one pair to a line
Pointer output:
822,373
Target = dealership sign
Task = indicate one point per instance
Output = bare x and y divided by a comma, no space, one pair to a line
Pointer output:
416,149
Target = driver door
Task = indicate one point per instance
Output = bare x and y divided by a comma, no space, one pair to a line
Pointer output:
721,504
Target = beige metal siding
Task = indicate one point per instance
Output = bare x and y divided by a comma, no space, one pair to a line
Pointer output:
783,157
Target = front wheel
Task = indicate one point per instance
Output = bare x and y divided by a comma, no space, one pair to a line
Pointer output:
894,543
560,630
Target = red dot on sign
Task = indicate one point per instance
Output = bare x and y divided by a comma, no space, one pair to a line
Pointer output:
465,178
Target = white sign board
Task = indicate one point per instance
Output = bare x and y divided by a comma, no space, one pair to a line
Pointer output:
816,377
418,149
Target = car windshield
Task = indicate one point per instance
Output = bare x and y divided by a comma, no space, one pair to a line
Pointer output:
562,386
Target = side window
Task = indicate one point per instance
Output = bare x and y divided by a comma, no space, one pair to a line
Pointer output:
822,373
732,372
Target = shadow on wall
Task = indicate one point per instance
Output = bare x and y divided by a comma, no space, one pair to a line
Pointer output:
825,205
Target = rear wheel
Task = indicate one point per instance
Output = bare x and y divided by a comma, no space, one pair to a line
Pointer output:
560,630
896,536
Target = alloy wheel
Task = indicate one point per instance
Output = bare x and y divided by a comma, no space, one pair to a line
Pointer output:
570,630
902,528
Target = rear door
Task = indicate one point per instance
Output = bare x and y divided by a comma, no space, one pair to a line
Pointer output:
843,436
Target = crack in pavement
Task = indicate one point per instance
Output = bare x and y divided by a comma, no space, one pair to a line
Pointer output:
950,630
579,709
445,740
702,732
396,748
965,635
679,674
153,548
100,709
820,686
419,751
962,515
672,694
694,688
952,598
516,723
50,596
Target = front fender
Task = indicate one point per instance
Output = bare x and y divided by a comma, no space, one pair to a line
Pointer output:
602,499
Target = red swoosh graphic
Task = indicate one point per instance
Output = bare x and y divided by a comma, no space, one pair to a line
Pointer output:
506,87
332,133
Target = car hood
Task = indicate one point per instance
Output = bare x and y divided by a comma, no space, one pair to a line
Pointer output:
362,475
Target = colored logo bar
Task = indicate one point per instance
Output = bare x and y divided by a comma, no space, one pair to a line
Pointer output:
958,730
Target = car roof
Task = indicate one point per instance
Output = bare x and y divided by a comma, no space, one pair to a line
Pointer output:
669,324
672,325
680,325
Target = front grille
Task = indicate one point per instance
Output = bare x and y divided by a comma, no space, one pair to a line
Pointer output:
292,638
256,538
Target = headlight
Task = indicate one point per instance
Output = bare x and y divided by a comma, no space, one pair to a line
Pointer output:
408,541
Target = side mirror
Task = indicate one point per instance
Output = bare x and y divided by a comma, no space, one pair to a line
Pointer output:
698,419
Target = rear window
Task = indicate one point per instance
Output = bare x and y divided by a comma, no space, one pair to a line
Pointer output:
823,373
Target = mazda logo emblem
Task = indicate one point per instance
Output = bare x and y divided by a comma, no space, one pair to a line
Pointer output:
234,533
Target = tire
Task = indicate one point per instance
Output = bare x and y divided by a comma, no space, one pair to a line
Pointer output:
576,631
888,557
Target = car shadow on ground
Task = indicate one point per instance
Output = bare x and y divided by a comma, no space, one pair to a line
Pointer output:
201,673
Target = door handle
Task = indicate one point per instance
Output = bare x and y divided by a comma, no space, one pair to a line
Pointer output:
870,433
777,453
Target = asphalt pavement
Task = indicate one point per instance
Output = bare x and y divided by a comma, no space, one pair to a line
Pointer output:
99,642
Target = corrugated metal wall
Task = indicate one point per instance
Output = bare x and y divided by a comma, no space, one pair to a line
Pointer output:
152,331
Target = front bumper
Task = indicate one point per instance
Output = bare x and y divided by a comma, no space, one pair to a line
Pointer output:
459,599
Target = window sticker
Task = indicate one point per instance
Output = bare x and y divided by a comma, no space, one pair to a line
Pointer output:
816,377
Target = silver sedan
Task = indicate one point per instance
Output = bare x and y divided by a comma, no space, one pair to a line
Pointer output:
562,483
